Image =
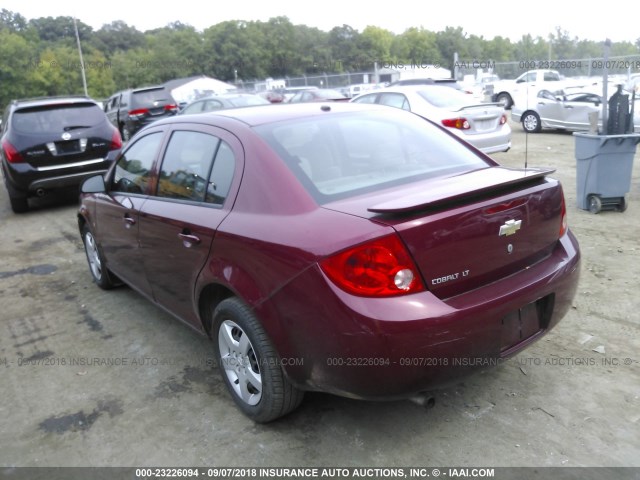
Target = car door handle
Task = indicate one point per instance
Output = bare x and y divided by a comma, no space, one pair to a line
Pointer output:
128,221
188,240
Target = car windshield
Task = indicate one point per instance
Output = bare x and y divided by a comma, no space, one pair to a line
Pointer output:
57,118
349,154
448,98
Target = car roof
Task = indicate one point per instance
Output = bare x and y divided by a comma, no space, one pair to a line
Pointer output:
405,88
42,101
263,114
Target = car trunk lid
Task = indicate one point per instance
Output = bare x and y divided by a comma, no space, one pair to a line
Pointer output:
469,230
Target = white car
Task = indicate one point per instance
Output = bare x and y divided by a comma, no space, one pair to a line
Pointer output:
483,125
546,109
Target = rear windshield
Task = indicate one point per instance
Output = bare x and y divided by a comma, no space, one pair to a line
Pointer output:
57,118
344,155
448,98
248,101
148,98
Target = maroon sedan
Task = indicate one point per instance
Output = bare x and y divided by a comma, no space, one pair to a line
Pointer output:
335,247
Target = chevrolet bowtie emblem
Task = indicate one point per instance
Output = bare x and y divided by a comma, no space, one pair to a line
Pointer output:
510,227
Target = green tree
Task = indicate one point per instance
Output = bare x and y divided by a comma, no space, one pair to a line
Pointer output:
52,29
451,41
16,66
375,43
235,49
345,55
416,46
116,36
499,49
14,22
176,51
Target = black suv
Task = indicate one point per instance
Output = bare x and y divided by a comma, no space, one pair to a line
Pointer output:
130,110
54,142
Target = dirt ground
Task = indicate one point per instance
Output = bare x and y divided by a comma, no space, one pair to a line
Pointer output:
572,399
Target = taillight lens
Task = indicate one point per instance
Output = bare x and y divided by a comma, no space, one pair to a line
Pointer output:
459,123
171,107
116,141
379,268
503,119
139,111
10,153
563,217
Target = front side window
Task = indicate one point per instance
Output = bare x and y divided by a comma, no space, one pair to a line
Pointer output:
134,167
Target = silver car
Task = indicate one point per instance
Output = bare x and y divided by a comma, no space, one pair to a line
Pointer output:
546,109
483,125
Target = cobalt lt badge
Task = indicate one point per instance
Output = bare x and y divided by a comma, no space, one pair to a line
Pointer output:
510,227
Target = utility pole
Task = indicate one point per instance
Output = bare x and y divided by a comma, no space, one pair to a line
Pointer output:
84,77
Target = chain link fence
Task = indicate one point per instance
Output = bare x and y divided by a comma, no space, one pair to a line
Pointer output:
585,67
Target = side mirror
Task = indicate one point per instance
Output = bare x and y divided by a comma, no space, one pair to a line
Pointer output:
93,184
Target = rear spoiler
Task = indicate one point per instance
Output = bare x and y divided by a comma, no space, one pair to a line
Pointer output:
460,187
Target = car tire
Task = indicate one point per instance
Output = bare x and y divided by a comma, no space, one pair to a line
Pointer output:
250,366
505,100
101,275
19,204
531,122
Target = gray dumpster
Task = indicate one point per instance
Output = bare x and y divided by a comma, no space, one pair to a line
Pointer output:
604,164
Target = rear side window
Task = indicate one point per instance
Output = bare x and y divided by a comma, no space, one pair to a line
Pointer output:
57,118
134,167
186,166
196,167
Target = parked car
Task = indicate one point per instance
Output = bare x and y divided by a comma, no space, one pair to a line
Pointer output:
130,110
318,95
289,92
482,125
546,109
334,247
222,101
273,96
508,92
51,143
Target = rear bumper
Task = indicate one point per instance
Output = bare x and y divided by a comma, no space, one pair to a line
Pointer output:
397,347
492,142
27,179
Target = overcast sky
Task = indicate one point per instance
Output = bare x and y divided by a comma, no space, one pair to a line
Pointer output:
488,18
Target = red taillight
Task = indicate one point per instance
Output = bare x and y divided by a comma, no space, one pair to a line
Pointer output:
563,217
116,141
171,107
139,111
459,123
503,119
379,268
10,153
